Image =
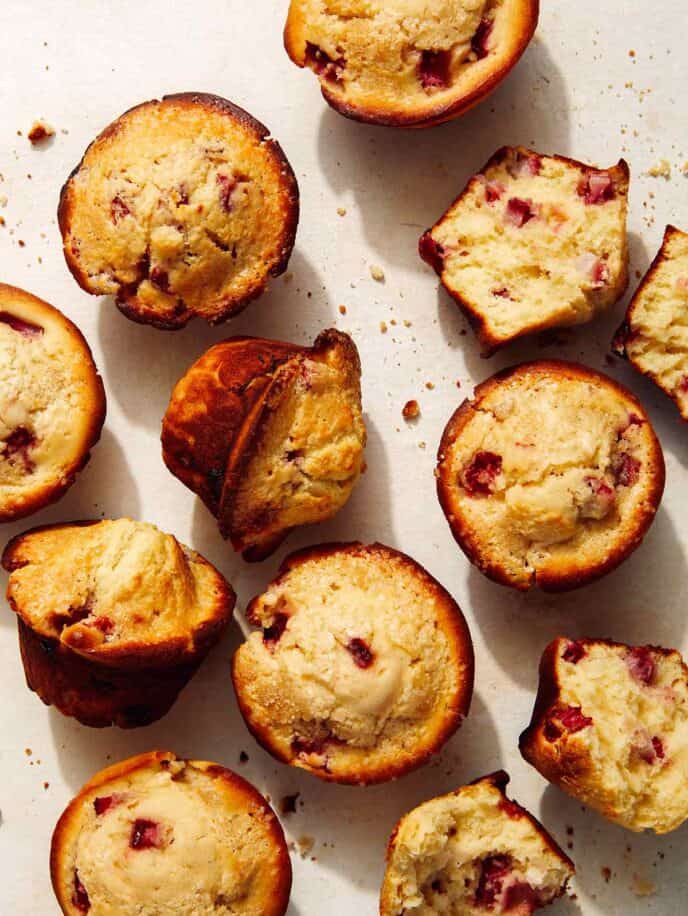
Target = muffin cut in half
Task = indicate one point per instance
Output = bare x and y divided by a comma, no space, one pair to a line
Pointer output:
654,336
362,668
156,834
474,851
181,207
610,727
270,435
550,476
52,403
114,617
533,242
408,63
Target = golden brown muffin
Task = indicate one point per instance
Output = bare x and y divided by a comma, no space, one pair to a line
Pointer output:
610,727
654,336
52,403
181,207
550,476
408,63
156,834
533,242
362,667
114,617
270,435
471,852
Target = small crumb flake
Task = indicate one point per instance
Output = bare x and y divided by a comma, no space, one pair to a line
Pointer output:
430,385
377,273
40,131
422,445
684,168
243,757
305,845
342,310
288,803
407,323
606,873
411,410
641,887
383,327
341,211
661,169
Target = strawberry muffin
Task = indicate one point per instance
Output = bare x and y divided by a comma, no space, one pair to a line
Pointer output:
550,476
52,403
157,834
533,242
182,207
610,727
362,666
114,617
408,63
474,851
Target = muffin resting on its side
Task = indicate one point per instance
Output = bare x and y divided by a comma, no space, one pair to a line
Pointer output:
52,403
654,336
362,668
181,207
610,727
114,617
408,63
471,852
270,435
550,476
533,242
155,834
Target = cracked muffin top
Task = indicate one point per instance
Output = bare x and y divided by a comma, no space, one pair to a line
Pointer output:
533,242
408,62
156,834
52,403
362,667
551,476
471,852
610,727
181,207
118,591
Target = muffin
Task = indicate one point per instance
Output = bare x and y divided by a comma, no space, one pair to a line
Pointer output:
158,834
362,666
472,851
181,207
408,63
550,476
52,404
270,435
114,617
610,727
533,242
654,336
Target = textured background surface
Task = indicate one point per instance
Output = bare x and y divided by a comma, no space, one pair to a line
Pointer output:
580,90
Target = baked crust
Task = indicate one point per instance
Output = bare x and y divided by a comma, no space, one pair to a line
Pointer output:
55,403
260,836
397,98
613,778
209,242
392,716
547,566
578,291
115,642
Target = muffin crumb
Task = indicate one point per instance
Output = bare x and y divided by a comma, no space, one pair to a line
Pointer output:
411,410
40,131
377,273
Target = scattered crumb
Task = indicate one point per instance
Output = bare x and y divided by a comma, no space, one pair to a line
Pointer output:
341,211
422,445
383,327
407,323
463,332
305,844
411,410
243,757
21,243
3,200
606,873
342,310
28,751
684,168
661,169
430,385
569,831
458,383
2,220
40,130
377,273
288,803
631,53
288,277
641,887
46,785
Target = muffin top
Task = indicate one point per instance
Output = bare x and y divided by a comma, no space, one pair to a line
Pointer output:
158,834
550,476
533,242
363,666
407,61
52,403
611,727
469,852
118,591
181,207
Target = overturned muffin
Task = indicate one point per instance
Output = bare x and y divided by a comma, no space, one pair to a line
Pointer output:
654,336
550,476
362,667
408,62
270,435
156,834
473,851
114,617
181,207
533,242
52,403
610,727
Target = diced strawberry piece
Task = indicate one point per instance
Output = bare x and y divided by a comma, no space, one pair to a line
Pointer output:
658,747
518,212
521,898
479,475
480,40
596,188
604,494
80,897
431,252
510,808
160,279
600,274
104,624
273,633
626,469
25,328
301,745
571,718
641,664
361,652
574,652
103,803
145,835
19,443
494,191
635,420
649,750
322,64
118,209
434,69
226,184
493,871
501,292
523,164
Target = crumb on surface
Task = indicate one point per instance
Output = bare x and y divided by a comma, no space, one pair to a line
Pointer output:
606,873
641,887
383,327
430,385
341,211
243,757
411,410
40,131
305,845
288,803
342,310
377,273
684,167
661,169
